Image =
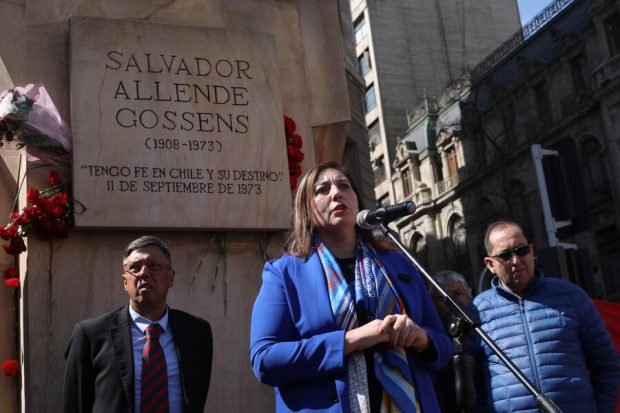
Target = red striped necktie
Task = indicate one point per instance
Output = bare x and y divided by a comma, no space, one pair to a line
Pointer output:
154,397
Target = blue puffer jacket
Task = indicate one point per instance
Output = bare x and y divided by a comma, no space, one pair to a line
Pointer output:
555,336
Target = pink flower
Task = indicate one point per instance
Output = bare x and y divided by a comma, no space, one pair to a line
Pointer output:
10,367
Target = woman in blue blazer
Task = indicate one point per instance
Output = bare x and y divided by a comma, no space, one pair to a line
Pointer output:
337,325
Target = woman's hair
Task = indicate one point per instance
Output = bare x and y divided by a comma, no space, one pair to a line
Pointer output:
299,242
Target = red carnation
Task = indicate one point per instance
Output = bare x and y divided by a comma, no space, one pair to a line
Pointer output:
61,198
297,154
55,178
293,180
8,233
11,272
57,211
12,282
10,367
33,195
15,247
289,125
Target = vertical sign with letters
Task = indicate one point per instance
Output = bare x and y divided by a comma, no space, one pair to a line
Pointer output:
176,127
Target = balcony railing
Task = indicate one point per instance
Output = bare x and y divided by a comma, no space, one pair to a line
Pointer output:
446,184
608,71
540,20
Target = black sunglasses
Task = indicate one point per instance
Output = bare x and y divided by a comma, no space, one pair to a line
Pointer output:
520,251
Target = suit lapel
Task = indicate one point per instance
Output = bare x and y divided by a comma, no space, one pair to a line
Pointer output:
180,343
313,293
120,333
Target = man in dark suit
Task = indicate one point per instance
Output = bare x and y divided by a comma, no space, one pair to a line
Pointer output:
106,355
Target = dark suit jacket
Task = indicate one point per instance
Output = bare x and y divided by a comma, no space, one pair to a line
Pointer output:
99,370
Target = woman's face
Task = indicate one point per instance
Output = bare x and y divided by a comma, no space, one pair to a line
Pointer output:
335,202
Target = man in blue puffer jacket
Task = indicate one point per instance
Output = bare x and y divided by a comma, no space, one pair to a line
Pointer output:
548,327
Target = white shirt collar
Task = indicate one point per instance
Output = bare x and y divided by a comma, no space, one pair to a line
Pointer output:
142,322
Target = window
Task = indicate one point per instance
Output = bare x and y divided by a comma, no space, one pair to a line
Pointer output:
437,168
508,121
374,135
406,180
361,29
517,204
579,83
364,63
542,103
612,33
370,100
379,170
458,235
594,170
418,246
453,165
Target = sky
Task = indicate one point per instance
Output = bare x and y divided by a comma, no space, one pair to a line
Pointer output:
530,8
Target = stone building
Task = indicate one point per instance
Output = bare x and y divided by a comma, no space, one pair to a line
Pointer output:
466,158
407,50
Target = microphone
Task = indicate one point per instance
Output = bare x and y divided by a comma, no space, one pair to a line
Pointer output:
370,219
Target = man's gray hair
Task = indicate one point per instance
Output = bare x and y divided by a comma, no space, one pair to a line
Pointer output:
442,277
147,241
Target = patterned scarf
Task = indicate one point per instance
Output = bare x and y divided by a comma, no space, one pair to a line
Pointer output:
374,293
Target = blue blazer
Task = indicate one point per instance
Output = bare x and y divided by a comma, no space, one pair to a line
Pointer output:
296,346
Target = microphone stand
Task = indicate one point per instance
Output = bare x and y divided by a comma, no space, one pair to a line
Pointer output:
468,324
462,365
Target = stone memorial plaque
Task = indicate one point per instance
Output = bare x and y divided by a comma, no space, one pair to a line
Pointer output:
176,127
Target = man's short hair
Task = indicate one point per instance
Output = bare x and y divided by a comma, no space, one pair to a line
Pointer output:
147,241
442,277
498,225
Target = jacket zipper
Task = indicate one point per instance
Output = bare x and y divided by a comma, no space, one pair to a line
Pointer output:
528,337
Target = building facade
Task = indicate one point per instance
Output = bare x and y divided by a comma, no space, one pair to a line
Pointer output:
467,160
409,49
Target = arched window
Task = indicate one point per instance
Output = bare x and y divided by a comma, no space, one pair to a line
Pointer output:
418,246
593,171
593,166
458,236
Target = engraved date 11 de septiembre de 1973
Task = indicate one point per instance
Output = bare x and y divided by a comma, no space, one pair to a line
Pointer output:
182,144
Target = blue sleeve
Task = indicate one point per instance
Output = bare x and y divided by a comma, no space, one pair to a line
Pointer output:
431,323
279,355
601,357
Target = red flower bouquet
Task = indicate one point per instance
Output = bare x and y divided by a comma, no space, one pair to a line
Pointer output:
294,142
